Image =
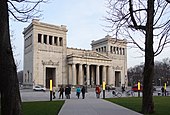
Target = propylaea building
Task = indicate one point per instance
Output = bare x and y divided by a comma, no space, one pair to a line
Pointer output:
46,56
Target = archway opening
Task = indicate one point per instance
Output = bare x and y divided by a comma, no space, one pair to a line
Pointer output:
50,75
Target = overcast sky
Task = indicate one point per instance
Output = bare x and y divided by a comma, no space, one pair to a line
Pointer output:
84,20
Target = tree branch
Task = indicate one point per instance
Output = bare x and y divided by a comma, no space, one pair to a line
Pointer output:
26,12
135,26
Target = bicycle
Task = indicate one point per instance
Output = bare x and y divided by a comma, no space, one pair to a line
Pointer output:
116,93
129,93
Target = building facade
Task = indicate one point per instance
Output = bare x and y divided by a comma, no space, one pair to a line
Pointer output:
46,56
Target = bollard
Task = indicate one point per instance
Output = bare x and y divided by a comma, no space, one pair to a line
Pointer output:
51,90
104,87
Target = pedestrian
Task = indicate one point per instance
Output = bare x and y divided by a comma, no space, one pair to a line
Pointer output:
163,90
69,87
61,90
108,88
83,90
78,90
98,91
54,93
67,92
123,88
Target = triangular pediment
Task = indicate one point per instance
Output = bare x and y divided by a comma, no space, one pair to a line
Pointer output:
95,54
87,54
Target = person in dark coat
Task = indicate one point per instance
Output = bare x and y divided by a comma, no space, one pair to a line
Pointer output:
123,88
69,87
67,92
163,91
61,90
83,90
54,93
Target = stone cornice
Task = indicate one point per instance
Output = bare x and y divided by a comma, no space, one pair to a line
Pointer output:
50,62
117,68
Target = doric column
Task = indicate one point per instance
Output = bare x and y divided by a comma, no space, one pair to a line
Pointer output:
104,74
80,77
47,39
92,75
97,75
58,41
52,40
87,75
110,76
42,39
74,82
70,74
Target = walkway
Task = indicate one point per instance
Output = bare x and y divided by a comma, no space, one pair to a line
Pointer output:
93,106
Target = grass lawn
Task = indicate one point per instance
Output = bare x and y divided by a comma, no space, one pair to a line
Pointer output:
42,107
162,104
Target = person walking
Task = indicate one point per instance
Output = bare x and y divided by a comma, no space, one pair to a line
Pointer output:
67,92
98,91
78,90
163,90
123,88
83,91
69,88
61,90
54,93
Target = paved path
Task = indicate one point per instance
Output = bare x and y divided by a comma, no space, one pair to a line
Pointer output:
93,106
88,106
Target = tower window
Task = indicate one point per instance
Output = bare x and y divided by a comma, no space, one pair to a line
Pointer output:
111,49
60,41
123,51
50,40
104,48
45,39
114,50
39,38
117,49
55,40
120,51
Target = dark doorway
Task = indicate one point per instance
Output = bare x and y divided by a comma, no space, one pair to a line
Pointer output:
92,75
117,78
50,74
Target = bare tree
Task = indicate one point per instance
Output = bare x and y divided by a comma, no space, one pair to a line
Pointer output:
135,74
146,24
161,73
9,86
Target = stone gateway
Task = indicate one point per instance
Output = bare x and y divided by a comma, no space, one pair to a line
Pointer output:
46,56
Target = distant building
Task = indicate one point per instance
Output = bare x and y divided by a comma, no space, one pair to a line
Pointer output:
46,56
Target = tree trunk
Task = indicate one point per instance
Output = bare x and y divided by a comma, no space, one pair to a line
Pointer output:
9,86
147,102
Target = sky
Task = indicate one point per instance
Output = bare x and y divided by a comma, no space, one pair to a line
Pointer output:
85,22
